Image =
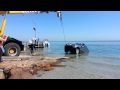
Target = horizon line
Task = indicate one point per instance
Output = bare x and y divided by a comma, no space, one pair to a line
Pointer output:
78,40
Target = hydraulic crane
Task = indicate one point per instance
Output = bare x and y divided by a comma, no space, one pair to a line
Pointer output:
12,46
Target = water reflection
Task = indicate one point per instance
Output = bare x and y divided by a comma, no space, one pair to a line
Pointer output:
77,56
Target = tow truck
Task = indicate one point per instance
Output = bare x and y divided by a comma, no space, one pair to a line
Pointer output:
12,46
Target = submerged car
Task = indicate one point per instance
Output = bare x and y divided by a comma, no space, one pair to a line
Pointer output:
78,48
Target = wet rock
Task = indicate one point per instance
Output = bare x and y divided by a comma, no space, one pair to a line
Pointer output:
37,54
29,65
26,69
33,71
10,67
47,68
15,70
53,64
39,68
21,75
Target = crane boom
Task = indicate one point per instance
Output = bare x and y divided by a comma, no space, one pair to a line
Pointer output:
24,12
27,12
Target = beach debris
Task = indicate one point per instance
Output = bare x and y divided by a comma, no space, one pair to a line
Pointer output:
7,73
37,54
33,70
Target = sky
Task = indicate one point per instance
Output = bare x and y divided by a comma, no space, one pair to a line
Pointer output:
77,26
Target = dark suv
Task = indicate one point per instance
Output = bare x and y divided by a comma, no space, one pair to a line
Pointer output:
78,48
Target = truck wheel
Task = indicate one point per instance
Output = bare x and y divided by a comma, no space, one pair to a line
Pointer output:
77,51
12,49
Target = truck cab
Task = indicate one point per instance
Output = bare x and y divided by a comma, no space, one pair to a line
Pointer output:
13,47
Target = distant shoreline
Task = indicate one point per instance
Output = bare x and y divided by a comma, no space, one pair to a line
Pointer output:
87,41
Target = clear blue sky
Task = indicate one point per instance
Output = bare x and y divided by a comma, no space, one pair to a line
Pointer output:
78,26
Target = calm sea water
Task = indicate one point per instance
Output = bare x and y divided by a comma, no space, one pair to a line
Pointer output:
109,50
103,60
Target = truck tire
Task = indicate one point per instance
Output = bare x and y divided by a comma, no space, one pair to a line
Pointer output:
12,49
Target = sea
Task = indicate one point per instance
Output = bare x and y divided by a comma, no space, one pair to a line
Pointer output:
102,61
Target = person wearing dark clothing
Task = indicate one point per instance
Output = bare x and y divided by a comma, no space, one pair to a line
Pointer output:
31,48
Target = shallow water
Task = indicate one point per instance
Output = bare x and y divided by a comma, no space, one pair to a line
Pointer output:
103,61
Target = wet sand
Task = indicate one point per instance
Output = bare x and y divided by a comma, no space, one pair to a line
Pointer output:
66,73
82,68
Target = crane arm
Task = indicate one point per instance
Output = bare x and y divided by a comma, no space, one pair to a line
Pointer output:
4,13
28,12
3,27
36,12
